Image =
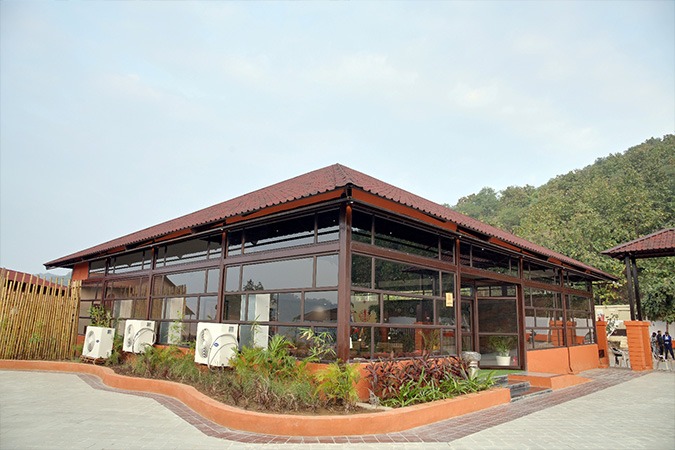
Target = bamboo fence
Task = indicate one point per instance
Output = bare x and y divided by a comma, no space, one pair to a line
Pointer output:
38,318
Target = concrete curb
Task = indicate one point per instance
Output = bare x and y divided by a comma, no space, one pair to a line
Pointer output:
396,420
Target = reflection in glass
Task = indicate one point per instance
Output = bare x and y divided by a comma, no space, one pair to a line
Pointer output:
393,276
291,273
232,307
321,307
404,238
407,310
328,226
232,278
207,308
361,271
298,231
327,271
497,316
181,283
285,307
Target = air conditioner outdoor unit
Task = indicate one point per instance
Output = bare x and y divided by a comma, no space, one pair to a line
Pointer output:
216,343
98,342
138,335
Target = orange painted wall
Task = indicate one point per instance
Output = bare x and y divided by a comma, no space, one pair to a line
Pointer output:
80,272
560,360
584,357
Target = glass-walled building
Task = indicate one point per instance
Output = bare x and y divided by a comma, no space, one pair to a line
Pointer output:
385,272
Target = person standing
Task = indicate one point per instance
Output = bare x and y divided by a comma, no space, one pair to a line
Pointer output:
659,342
654,342
668,345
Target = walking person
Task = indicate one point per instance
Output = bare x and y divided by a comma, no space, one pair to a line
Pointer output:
659,342
668,345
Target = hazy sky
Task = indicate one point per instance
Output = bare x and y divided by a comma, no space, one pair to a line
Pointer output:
115,116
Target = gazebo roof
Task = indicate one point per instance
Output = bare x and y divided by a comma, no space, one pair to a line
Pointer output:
307,188
655,245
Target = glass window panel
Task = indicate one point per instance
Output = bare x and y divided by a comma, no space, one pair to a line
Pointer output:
578,303
232,279
84,308
234,239
399,342
467,343
213,280
540,273
536,317
176,333
448,250
362,227
291,273
140,260
327,271
122,309
365,307
191,308
185,252
492,347
207,308
321,306
541,338
465,254
298,231
448,342
285,307
82,325
393,276
91,291
544,299
406,310
361,271
328,225
404,238
486,259
180,283
97,267
467,317
133,288
448,283
497,316
232,307
446,314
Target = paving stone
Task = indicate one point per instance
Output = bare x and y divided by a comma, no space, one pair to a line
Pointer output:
48,410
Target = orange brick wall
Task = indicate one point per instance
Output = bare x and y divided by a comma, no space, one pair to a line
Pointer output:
639,348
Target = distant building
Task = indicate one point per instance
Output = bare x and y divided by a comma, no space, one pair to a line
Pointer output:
384,271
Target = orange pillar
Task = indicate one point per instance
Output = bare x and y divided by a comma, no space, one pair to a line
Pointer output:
603,349
639,348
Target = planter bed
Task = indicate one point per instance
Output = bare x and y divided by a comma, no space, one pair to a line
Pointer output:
399,419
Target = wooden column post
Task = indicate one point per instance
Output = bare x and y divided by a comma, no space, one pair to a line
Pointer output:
636,285
631,292
344,283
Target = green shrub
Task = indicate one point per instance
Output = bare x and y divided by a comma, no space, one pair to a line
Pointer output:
337,384
401,383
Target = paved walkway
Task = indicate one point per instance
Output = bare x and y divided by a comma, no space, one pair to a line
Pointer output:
619,409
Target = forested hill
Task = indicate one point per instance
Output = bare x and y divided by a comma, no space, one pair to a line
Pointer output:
616,199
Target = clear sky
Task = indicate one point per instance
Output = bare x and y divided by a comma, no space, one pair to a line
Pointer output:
115,116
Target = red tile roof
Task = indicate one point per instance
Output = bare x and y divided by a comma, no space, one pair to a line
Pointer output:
310,184
28,279
660,243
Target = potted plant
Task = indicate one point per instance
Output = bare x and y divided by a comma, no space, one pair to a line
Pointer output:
502,345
